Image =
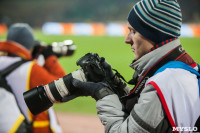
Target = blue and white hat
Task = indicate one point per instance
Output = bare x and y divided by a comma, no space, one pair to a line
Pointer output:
157,20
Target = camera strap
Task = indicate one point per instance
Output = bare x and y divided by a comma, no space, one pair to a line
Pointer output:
173,55
7,71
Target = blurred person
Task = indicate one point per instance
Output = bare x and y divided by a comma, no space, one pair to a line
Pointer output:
22,74
166,93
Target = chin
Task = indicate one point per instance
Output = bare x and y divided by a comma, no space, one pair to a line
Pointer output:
136,58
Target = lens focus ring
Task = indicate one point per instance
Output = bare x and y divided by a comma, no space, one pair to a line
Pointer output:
62,89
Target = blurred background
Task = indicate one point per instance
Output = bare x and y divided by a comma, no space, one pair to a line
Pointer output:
37,12
97,26
88,17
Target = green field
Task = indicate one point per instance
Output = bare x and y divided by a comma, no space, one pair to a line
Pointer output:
116,52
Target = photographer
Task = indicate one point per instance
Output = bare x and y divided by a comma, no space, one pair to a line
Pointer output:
166,93
27,74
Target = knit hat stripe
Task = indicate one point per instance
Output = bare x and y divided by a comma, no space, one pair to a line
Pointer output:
158,17
163,13
161,7
153,22
168,3
175,11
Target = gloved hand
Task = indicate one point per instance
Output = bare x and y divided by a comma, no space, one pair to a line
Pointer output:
42,48
96,69
114,80
95,90
37,51
47,51
108,69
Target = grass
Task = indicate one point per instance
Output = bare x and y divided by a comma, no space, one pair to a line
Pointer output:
116,52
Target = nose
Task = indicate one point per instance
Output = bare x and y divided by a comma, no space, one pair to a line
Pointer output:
128,40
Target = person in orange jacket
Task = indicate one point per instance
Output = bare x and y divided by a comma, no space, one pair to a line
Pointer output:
18,47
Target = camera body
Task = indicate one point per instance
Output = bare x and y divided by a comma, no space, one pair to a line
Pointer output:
42,97
91,65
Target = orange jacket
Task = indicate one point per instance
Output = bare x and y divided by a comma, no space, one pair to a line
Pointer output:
39,75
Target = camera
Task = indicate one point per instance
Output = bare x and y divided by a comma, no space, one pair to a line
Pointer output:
64,48
42,97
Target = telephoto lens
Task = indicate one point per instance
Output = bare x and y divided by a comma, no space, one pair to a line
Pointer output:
65,48
42,97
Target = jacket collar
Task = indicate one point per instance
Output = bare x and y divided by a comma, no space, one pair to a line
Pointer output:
145,62
15,48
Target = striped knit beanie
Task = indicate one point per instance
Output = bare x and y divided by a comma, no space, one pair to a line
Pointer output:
156,20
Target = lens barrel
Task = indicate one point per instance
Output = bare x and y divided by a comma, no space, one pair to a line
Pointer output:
37,100
42,97
71,50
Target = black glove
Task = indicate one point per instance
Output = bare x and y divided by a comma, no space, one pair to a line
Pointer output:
37,49
47,51
41,48
96,90
113,80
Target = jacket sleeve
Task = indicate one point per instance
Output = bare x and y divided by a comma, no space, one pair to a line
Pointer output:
52,70
145,117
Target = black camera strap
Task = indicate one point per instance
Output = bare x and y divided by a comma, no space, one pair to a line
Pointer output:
7,71
171,56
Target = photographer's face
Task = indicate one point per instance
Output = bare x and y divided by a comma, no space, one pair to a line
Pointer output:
139,44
